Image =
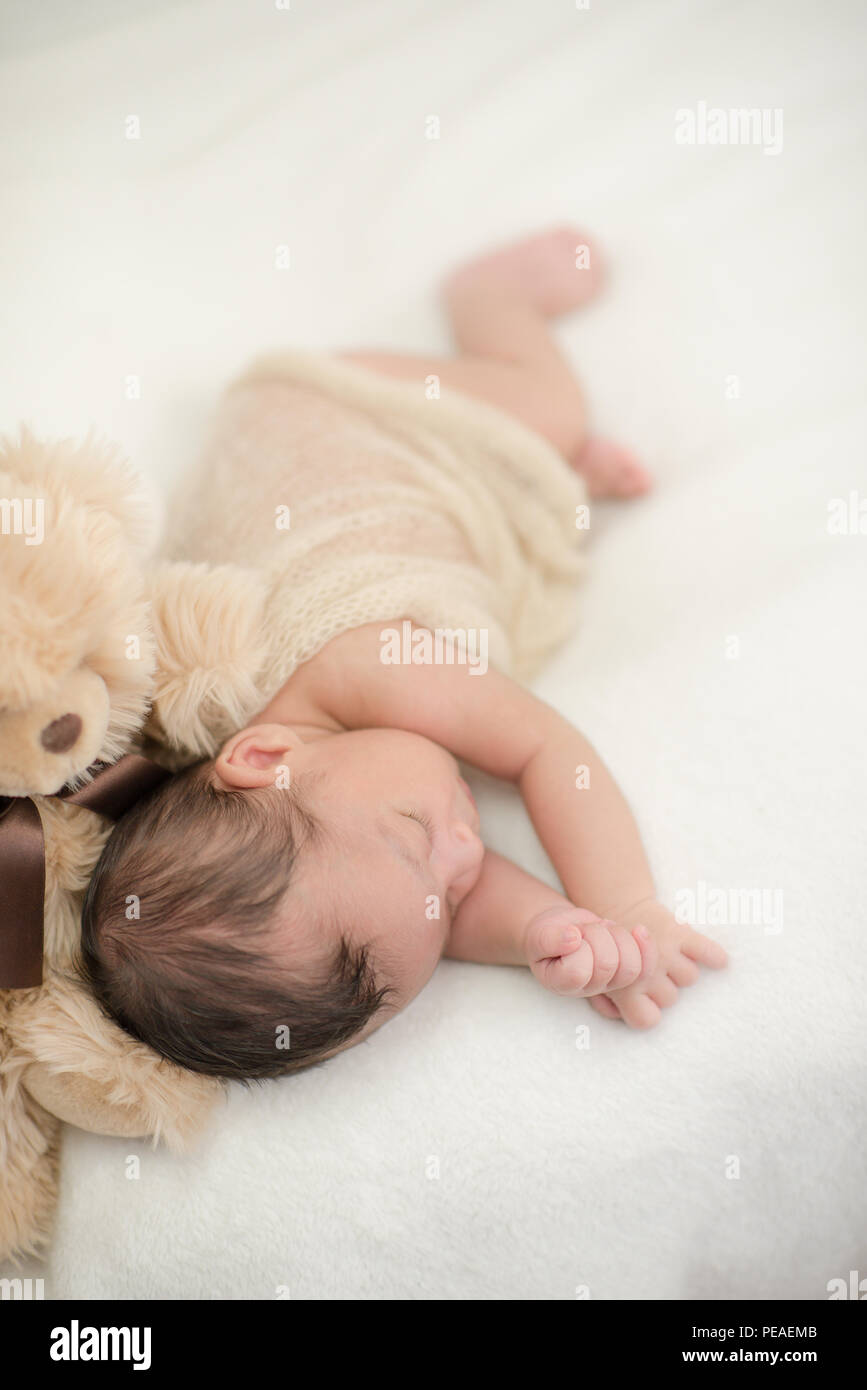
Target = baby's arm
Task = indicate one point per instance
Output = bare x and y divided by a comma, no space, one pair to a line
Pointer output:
512,918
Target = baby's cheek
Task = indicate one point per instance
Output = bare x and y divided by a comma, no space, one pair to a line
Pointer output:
419,945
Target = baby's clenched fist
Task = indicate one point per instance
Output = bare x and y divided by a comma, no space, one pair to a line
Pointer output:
576,953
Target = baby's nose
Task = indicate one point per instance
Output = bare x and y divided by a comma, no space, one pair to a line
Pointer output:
60,735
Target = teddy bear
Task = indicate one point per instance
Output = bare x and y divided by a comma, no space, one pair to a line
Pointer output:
110,659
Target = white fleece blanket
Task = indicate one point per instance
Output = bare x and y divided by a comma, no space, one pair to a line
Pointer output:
494,1141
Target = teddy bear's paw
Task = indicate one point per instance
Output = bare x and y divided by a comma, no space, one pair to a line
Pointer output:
29,1160
89,1072
211,648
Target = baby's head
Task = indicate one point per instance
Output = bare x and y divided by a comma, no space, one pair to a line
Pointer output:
258,913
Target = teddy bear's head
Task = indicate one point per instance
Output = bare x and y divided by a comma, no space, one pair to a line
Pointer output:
76,650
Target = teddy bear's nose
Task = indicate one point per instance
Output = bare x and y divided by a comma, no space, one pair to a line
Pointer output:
61,734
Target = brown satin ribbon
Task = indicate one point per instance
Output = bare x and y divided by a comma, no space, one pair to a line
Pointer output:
112,791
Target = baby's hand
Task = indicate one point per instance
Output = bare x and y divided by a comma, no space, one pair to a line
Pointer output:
680,950
571,951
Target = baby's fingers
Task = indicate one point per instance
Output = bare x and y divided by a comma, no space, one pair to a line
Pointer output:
556,932
568,974
620,958
704,951
635,956
638,1011
682,971
575,953
649,951
604,1006
638,957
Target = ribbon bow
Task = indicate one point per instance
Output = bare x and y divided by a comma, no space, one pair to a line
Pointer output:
114,788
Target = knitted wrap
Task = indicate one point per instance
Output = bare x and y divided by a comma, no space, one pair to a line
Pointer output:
358,499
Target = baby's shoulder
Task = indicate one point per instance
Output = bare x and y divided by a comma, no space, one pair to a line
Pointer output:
342,673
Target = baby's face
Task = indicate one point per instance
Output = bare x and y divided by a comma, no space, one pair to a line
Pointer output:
401,848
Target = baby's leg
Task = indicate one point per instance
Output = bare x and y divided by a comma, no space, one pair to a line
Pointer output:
499,306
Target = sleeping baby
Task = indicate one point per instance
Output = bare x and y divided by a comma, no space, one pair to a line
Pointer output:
417,523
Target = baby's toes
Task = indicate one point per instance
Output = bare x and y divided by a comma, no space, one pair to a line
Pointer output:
610,470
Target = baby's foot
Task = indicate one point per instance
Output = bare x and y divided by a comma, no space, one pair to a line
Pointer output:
574,952
609,470
555,271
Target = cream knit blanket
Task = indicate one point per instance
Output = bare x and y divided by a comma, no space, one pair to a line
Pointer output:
359,500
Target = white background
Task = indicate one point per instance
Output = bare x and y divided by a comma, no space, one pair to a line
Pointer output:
155,257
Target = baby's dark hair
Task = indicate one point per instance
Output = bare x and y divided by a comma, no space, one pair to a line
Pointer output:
185,872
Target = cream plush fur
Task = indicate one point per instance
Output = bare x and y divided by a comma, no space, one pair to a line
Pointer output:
71,604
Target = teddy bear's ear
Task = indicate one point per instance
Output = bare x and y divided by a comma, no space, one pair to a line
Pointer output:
93,472
207,622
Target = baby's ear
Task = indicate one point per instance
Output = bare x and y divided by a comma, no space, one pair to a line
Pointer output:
210,650
256,754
